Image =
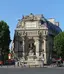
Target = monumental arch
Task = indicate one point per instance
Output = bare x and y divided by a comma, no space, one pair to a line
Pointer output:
33,39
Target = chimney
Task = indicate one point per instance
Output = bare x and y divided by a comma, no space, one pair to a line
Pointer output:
57,23
52,20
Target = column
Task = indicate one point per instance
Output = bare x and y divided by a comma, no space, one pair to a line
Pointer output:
23,46
18,43
45,54
37,47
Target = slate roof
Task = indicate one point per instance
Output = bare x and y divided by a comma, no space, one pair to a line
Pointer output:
51,26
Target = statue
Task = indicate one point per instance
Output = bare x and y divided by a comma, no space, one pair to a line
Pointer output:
31,53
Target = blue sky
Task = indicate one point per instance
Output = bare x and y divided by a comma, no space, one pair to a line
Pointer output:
12,10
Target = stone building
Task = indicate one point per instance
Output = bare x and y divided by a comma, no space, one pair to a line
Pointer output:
33,39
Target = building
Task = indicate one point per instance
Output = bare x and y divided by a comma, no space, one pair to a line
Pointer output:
33,39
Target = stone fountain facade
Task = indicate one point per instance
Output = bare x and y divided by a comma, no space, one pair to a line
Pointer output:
33,39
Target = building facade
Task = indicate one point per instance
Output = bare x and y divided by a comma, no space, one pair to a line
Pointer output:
33,39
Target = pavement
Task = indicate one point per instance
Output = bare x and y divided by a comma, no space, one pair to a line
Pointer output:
53,70
13,66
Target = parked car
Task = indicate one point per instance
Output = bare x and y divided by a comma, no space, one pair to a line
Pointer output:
59,62
9,62
1,62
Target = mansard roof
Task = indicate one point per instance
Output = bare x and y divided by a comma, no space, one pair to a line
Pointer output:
50,25
53,27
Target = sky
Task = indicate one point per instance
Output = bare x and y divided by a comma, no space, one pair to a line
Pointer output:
12,10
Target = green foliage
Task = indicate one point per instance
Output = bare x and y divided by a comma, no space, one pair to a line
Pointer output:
59,44
4,37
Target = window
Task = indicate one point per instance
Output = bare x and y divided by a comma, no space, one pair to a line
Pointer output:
45,32
42,22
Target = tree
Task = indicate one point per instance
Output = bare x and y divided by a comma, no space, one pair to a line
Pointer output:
59,44
4,38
